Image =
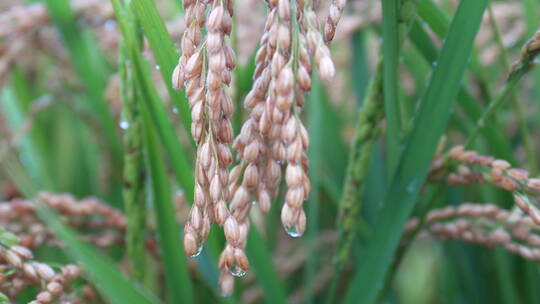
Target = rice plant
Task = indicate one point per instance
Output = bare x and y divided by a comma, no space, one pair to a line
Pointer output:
158,151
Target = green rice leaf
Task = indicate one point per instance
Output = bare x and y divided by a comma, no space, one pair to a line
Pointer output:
390,76
430,122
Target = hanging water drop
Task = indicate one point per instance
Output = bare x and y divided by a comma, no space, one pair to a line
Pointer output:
411,187
175,110
199,242
158,67
236,271
124,125
292,230
199,248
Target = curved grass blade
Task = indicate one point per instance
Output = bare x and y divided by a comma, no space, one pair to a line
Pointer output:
315,111
179,287
390,78
112,284
260,258
110,281
164,52
180,162
497,142
434,112
89,64
439,22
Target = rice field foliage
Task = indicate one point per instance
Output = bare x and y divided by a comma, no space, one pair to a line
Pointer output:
280,151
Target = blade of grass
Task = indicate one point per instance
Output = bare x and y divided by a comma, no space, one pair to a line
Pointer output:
518,108
435,109
164,51
179,287
316,114
498,144
360,68
109,280
37,144
365,134
522,67
180,162
89,65
390,80
530,11
259,258
13,105
439,22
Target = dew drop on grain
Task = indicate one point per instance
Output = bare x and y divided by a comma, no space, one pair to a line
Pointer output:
292,231
236,271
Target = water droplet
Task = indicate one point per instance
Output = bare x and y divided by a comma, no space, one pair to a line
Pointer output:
411,187
110,25
200,245
175,110
434,63
199,250
292,231
254,202
158,67
236,271
124,125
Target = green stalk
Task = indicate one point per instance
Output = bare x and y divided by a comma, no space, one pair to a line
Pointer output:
366,132
518,108
134,174
530,12
521,68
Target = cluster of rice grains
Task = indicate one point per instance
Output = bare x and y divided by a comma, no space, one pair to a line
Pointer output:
475,168
273,137
484,224
19,271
